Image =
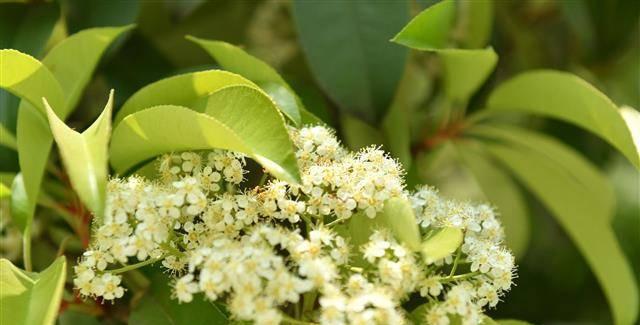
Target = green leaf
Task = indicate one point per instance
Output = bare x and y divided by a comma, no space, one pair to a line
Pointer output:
499,189
27,78
31,298
512,322
357,134
4,191
182,90
477,20
583,208
430,29
85,155
27,27
465,71
33,134
397,215
442,244
238,61
240,118
157,307
351,57
7,138
566,97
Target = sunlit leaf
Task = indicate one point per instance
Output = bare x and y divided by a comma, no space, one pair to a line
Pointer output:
27,78
236,60
31,298
442,244
552,172
238,118
351,56
85,155
430,29
566,97
72,62
182,90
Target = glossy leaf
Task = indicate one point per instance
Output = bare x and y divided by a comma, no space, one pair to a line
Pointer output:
583,209
465,71
182,90
397,215
33,134
27,78
158,308
500,190
85,155
430,29
351,57
31,298
242,119
566,97
442,244
236,60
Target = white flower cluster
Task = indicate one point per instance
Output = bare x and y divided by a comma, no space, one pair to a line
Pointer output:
279,251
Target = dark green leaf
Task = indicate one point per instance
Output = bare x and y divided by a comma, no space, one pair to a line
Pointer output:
351,57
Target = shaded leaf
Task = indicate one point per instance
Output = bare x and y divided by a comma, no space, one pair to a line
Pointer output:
31,298
566,97
157,308
182,90
7,138
477,21
85,155
500,190
357,134
397,215
351,57
584,210
26,27
465,71
442,244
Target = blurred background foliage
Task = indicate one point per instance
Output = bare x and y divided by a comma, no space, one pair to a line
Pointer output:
598,40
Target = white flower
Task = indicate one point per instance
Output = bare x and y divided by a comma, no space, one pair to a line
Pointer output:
185,287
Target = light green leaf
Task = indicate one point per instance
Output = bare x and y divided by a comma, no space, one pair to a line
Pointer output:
158,308
566,97
512,322
397,215
582,208
238,61
351,57
442,244
33,134
31,298
476,20
20,204
4,191
430,29
27,78
500,190
7,138
465,71
85,155
182,90
240,118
